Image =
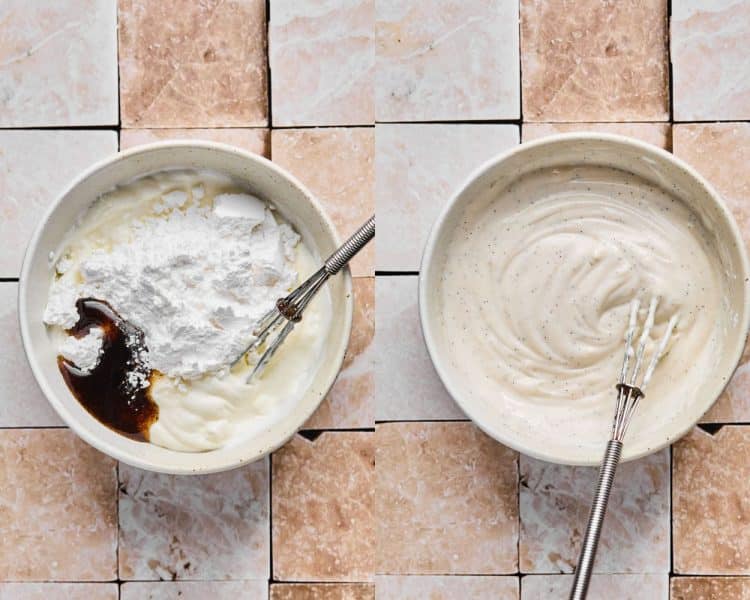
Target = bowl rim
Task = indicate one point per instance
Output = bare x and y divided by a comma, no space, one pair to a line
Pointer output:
431,246
99,442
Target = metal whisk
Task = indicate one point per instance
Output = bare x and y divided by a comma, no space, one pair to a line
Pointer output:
288,311
629,393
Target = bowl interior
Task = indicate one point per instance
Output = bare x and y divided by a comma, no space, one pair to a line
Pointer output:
268,182
655,166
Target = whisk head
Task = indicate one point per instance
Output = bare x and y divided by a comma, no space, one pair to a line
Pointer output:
629,388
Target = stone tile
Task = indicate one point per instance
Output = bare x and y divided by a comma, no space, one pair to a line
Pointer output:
721,152
418,168
597,62
253,140
603,587
207,69
323,591
351,401
22,403
322,57
194,590
323,523
711,75
711,496
59,63
35,166
56,494
447,60
657,134
337,166
194,527
407,388
446,501
555,502
435,587
710,588
58,591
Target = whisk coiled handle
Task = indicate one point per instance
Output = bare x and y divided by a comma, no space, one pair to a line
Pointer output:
350,247
596,518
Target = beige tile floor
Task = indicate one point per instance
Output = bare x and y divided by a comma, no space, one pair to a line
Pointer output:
389,494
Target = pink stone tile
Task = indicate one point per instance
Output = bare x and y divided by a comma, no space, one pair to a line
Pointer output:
435,587
711,496
323,522
418,168
58,591
446,501
58,63
407,388
721,152
323,591
35,166
710,588
21,401
555,502
253,140
204,527
594,61
447,60
337,166
56,494
350,403
657,134
711,74
651,586
322,57
193,64
194,590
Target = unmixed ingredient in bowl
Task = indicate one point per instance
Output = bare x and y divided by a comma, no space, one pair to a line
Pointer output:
192,261
536,289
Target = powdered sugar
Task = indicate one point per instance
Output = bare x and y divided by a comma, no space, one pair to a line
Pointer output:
84,352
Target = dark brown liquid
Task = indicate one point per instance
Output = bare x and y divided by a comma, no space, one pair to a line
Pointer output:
106,391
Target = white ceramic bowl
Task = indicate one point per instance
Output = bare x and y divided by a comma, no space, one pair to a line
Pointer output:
651,163
266,180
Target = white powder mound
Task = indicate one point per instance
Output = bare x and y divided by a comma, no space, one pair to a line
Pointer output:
84,352
196,280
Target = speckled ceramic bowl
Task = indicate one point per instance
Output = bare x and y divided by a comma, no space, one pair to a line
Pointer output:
263,178
655,166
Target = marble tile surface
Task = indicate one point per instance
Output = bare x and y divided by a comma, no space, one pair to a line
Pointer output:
323,591
322,57
711,496
253,140
710,71
22,403
207,68
351,401
323,514
194,590
445,587
446,501
418,168
447,60
710,588
721,152
24,194
407,387
58,591
58,63
594,61
555,503
207,527
336,164
650,586
657,134
56,493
